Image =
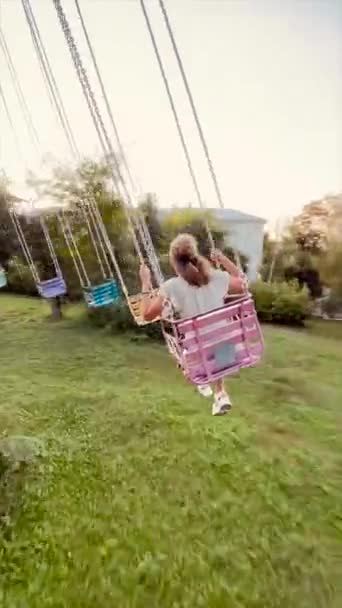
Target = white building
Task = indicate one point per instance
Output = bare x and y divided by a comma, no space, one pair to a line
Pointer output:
244,232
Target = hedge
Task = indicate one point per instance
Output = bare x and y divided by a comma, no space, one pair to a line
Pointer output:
118,319
284,303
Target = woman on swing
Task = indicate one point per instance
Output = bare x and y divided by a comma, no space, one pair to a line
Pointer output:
197,289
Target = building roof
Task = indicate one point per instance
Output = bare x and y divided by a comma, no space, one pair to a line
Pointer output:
31,209
233,215
226,215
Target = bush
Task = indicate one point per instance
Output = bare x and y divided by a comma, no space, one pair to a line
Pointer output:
284,303
118,319
332,305
263,294
20,278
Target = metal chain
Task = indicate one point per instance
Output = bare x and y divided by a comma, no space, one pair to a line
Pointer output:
11,124
147,236
50,246
106,144
93,221
73,248
192,103
45,66
196,116
12,213
24,246
176,119
58,106
92,104
104,95
33,133
17,87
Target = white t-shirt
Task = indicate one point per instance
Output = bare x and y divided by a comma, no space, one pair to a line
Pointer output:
190,301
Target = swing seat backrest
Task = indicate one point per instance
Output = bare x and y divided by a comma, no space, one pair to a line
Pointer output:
3,279
52,288
134,303
221,342
102,295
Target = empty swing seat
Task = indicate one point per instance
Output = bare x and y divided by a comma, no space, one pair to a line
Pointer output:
52,288
135,307
217,344
102,295
3,279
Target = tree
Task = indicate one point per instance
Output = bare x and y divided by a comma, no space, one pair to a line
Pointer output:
285,260
8,240
149,209
305,271
195,222
279,253
270,250
331,267
74,190
313,227
314,230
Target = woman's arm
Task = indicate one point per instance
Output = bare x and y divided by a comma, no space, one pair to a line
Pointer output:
237,283
151,307
219,258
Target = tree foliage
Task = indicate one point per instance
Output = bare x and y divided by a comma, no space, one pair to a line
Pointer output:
74,190
8,241
331,267
308,250
313,227
195,222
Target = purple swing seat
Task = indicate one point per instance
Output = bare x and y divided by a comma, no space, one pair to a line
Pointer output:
52,288
217,344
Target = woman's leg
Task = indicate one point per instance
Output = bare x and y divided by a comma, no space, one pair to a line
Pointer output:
222,402
205,390
218,386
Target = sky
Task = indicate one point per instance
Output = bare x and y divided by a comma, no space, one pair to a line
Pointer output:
266,76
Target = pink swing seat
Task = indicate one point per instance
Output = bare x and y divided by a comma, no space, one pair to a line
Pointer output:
217,344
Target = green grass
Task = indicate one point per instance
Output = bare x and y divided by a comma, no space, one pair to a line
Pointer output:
332,329
141,499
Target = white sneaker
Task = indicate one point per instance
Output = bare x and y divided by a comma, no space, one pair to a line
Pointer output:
204,390
222,404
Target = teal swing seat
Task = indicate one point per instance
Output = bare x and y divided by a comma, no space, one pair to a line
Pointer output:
102,295
3,279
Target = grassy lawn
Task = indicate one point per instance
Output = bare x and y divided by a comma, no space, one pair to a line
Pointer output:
332,329
141,499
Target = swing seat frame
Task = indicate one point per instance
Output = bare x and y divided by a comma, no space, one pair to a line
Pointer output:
101,295
134,303
3,279
52,288
217,344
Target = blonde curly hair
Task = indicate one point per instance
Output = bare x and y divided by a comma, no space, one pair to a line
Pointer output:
187,261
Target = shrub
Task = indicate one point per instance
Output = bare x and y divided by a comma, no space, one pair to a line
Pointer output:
118,319
332,305
284,303
264,294
20,278
291,305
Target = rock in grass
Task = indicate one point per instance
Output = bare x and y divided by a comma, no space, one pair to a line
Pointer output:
20,449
